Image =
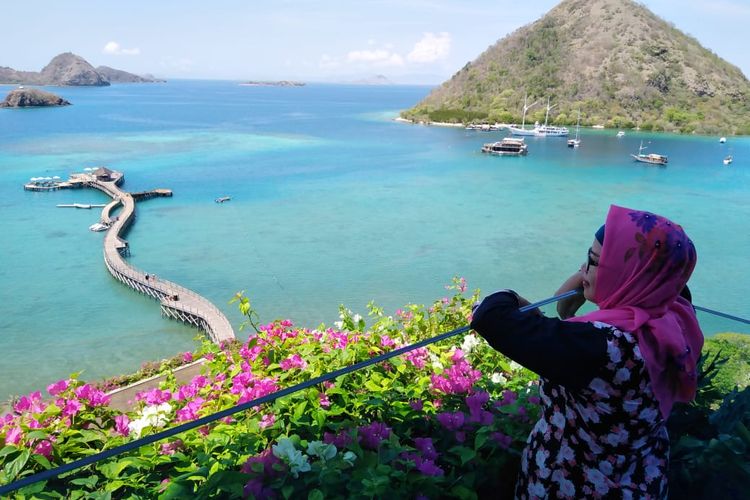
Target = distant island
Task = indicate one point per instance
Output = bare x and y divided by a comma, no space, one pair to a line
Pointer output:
615,61
72,70
280,83
373,80
27,98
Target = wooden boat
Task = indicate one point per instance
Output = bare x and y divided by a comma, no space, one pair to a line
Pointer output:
651,158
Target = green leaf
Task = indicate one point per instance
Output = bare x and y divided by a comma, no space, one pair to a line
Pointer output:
16,465
287,491
299,410
42,460
464,453
89,481
36,435
7,450
315,495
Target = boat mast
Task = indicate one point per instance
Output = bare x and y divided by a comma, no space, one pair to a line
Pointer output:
578,125
547,115
526,108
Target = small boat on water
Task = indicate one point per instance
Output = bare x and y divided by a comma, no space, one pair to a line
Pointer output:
99,226
551,130
723,140
222,199
652,158
620,134
728,160
522,130
79,205
510,146
574,143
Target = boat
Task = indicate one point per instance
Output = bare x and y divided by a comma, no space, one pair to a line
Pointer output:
510,146
574,143
523,130
652,158
550,130
99,226
222,199
723,140
728,160
620,134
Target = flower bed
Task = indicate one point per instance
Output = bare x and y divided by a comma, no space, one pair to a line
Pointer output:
444,420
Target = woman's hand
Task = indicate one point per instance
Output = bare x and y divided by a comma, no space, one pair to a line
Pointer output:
568,306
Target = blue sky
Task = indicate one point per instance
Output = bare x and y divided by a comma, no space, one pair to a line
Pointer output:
422,41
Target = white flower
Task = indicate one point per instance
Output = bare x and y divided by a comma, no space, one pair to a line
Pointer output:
436,364
515,366
338,324
498,378
470,343
286,451
151,416
349,457
322,450
356,318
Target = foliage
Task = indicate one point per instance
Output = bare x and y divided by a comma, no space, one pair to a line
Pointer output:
444,420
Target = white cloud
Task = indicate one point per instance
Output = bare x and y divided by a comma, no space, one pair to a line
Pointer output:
115,49
380,57
328,62
431,48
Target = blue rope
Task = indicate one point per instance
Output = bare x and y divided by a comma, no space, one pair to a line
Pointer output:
48,474
723,315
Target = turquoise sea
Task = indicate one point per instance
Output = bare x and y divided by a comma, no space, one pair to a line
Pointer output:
332,202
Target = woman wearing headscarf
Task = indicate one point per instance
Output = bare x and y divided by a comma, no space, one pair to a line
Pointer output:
609,378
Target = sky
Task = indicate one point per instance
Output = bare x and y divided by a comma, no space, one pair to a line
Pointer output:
409,42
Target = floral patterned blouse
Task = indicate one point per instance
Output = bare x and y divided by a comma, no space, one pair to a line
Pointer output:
600,433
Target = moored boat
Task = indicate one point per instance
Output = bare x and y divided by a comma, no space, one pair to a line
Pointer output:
620,134
723,140
222,199
510,146
728,160
651,158
99,226
550,130
574,143
522,130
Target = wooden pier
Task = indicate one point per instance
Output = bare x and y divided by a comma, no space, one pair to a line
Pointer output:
177,302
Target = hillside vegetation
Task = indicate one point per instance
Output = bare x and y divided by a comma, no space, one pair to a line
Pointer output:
617,62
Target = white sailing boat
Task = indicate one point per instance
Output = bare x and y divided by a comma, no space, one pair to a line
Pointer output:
574,143
550,130
523,130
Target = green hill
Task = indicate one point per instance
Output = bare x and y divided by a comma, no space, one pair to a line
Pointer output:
616,61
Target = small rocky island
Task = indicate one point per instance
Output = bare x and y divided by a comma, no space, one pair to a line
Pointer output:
281,83
28,98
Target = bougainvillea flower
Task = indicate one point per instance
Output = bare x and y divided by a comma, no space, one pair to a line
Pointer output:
370,436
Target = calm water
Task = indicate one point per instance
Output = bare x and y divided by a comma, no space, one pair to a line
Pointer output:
332,202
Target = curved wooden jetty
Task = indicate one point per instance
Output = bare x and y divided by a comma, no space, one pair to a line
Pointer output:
176,301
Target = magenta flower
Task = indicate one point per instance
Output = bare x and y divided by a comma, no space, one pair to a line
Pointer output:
267,421
534,400
93,396
340,440
501,439
462,285
121,425
452,421
418,357
13,435
71,407
57,387
386,341
190,410
371,436
293,361
458,379
460,436
476,403
428,468
43,447
324,401
508,398
187,357
154,397
416,404
32,403
426,448
172,447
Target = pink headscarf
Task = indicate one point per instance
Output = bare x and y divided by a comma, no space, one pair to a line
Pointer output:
646,261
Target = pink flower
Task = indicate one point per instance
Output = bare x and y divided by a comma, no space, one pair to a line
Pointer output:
370,436
71,407
324,401
172,447
121,425
457,379
32,403
534,400
418,357
293,361
187,357
476,403
508,398
416,405
57,387
190,410
93,396
386,341
43,447
267,421
462,285
13,435
209,356
154,397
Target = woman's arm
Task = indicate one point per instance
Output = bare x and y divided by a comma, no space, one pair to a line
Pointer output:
567,353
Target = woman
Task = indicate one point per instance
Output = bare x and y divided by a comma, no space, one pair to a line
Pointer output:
608,378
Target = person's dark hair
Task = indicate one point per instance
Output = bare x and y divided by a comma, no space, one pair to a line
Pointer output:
600,235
